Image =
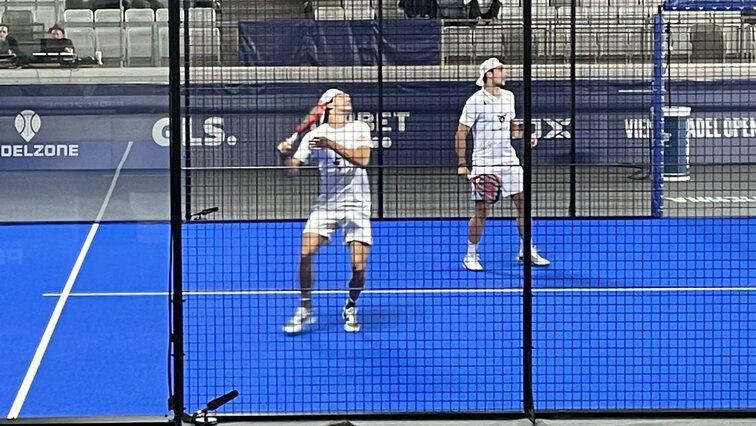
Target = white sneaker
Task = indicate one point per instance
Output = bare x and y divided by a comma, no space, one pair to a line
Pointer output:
350,319
302,317
471,262
535,258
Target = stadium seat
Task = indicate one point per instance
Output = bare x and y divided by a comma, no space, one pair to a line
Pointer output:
108,15
732,38
639,42
613,44
722,18
78,15
586,43
512,35
544,15
161,15
749,43
625,3
162,45
139,46
680,46
83,40
707,41
17,17
391,11
201,17
47,13
632,16
510,13
326,3
110,40
560,41
204,45
488,41
540,42
330,13
359,13
456,45
140,15
357,4
357,10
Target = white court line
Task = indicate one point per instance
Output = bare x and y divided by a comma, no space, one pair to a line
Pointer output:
413,291
31,372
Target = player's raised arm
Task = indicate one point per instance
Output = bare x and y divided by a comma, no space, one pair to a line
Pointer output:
286,151
460,140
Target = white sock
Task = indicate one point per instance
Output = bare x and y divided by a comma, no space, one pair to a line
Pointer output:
471,248
522,245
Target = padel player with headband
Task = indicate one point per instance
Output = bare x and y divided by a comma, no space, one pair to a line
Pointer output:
341,149
496,169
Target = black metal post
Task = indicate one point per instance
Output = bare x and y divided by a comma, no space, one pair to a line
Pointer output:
176,302
527,307
573,92
187,121
379,114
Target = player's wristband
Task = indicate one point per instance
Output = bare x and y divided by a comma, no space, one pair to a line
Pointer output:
462,165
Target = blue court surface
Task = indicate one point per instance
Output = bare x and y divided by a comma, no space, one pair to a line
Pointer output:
631,314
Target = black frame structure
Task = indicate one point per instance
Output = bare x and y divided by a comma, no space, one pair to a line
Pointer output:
180,214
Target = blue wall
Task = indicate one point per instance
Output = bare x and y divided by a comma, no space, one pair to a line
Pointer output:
323,43
88,126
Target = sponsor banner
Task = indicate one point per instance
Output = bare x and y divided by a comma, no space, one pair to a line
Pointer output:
321,42
89,126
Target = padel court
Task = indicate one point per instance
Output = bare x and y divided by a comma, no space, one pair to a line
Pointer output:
672,316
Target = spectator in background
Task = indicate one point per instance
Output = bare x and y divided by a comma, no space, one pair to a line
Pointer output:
8,44
57,33
418,8
309,11
483,9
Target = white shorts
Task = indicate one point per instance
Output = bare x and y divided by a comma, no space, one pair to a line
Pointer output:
511,179
355,224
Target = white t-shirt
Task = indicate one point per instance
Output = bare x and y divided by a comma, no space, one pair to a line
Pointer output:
342,185
489,118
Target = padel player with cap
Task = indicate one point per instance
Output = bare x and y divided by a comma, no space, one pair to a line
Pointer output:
341,149
495,170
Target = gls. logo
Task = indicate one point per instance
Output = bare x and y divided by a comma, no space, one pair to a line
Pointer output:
212,132
28,124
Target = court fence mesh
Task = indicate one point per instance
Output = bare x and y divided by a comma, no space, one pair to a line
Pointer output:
641,189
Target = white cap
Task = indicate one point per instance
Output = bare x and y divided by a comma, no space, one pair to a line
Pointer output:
328,96
486,66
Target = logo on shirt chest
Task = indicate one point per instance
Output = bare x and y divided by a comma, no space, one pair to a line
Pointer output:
502,118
